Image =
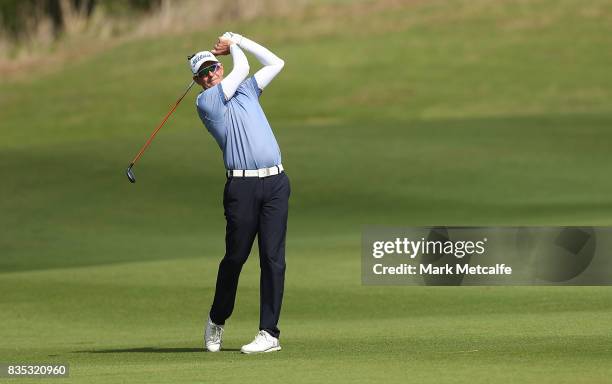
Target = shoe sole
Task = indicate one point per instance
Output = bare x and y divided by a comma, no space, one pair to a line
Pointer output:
208,350
273,349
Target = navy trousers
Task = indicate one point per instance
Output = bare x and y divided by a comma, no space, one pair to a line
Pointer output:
254,206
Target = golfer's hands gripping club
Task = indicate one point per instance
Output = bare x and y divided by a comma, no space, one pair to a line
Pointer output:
222,47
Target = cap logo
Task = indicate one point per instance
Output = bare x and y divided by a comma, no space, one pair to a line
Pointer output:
199,57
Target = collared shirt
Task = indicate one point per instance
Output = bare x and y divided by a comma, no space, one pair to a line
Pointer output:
239,126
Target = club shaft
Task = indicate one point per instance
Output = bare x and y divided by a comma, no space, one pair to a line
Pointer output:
146,145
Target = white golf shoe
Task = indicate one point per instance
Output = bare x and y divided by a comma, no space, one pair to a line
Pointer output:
213,336
264,342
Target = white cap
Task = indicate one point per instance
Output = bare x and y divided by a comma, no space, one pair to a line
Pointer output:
195,61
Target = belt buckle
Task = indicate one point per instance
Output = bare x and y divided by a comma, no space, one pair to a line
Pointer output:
263,172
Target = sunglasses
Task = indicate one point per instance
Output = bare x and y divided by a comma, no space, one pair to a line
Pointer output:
209,69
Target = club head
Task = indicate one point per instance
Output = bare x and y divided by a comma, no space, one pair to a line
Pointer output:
130,173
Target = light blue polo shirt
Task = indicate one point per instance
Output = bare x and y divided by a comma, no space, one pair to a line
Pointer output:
239,126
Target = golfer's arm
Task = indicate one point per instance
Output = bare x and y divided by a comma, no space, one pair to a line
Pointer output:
272,64
240,71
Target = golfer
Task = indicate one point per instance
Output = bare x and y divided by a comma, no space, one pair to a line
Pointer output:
257,189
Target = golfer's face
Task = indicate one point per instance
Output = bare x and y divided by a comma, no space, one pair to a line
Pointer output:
213,77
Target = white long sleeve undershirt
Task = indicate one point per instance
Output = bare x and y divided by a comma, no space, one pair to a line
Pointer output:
239,72
272,64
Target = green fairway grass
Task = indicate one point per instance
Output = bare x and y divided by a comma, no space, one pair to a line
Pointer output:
423,113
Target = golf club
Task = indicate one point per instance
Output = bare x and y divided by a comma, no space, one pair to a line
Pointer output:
129,172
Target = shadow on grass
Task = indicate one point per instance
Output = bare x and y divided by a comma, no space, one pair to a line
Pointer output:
154,350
